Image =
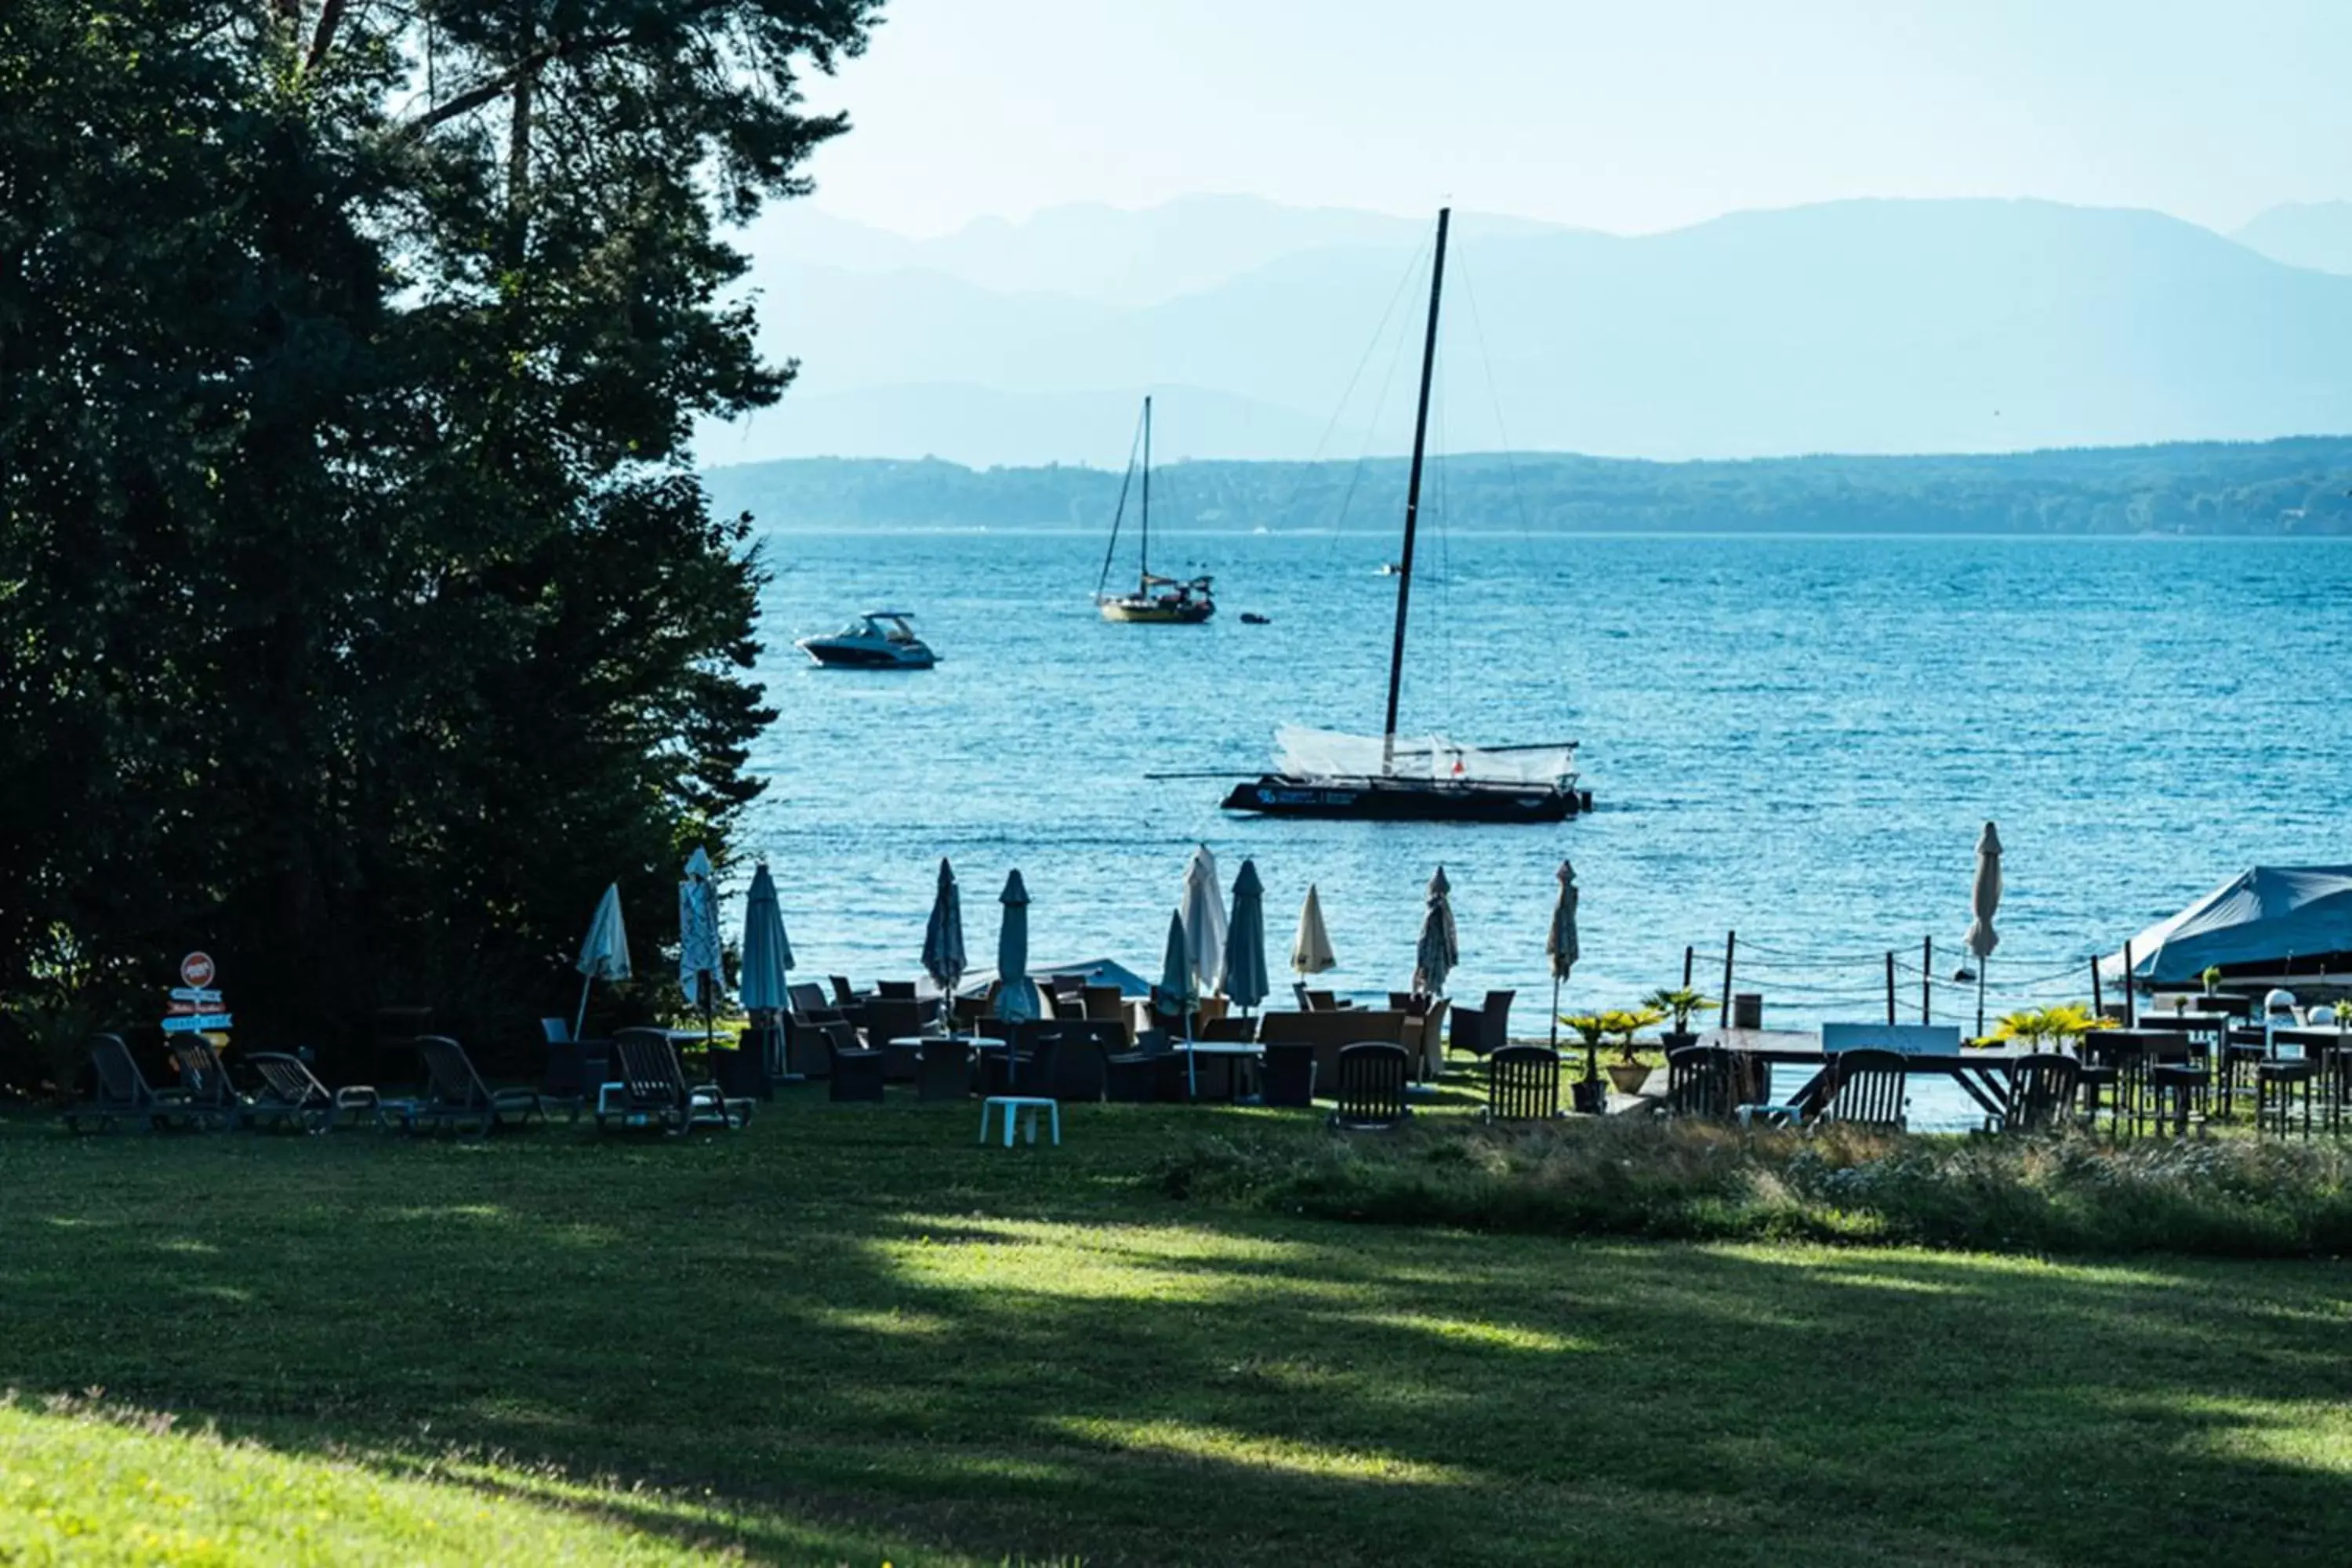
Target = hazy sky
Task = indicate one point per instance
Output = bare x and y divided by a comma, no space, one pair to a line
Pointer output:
1629,115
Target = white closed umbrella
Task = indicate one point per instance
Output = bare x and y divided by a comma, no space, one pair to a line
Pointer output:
767,952
943,957
1559,943
698,970
1202,912
1310,949
1984,902
1439,949
1244,981
1175,993
1016,998
605,955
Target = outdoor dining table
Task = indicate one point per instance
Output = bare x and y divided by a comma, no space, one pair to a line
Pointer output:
1235,1054
1983,1071
2331,1046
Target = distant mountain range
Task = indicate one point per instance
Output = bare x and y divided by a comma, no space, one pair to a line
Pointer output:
2303,233
1859,327
2301,486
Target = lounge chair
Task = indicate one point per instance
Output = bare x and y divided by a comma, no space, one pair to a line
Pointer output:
1372,1081
121,1092
291,1092
1866,1090
206,1094
654,1091
456,1095
1484,1029
1523,1084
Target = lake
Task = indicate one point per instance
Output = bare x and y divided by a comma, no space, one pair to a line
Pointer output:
1798,738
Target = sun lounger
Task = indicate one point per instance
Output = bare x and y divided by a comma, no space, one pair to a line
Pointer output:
206,1094
121,1092
290,1093
653,1090
456,1095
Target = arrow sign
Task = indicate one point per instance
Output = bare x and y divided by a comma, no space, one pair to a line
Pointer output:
195,994
195,1022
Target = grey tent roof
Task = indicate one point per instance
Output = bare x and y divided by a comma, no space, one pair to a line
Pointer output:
2267,914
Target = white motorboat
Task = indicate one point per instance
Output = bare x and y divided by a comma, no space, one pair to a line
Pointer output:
879,639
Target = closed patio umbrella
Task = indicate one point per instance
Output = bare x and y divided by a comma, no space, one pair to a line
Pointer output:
1984,902
1202,912
943,958
605,955
1016,998
1244,981
698,972
767,952
1310,949
1438,950
1175,994
1559,943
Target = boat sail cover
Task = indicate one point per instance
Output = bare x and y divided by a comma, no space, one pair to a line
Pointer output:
1303,752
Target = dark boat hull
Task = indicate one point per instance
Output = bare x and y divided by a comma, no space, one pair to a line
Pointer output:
1403,800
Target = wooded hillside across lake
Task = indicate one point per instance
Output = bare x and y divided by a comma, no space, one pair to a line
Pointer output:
2298,485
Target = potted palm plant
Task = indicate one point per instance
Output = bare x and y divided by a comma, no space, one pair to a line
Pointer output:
2210,977
2050,1028
1679,1003
1589,1028
1629,1072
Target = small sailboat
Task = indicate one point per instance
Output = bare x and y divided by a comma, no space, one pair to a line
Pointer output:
879,639
1387,778
1157,600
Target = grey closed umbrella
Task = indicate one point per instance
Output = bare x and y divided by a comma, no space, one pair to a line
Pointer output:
605,956
1016,998
943,955
1559,943
1439,949
1984,902
1244,981
698,972
767,952
1175,994
1202,912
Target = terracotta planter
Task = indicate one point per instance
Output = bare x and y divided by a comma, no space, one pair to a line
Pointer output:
1628,1077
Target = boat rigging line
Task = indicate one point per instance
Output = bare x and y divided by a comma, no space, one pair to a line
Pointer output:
1126,479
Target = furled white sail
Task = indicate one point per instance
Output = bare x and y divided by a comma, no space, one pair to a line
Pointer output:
1304,753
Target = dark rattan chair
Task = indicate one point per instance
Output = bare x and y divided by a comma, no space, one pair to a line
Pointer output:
1867,1090
1484,1029
944,1070
1523,1084
1371,1089
853,1072
1286,1081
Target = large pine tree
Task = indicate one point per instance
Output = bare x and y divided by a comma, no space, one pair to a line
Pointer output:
359,613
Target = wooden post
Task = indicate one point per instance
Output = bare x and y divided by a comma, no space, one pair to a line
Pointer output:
1730,942
2098,998
1689,954
2131,992
1926,979
1890,985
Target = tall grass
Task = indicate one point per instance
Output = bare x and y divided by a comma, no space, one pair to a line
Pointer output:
2233,1198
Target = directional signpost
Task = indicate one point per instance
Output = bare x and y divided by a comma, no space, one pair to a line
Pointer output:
195,1008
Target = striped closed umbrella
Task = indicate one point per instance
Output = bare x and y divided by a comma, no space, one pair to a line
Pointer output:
1439,949
699,973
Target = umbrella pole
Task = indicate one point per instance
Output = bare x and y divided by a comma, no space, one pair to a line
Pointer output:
1191,1060
1981,966
580,1020
1555,1015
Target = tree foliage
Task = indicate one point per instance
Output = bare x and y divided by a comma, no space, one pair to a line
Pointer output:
359,613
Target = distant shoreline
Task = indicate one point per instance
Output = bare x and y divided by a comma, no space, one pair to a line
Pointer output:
2297,487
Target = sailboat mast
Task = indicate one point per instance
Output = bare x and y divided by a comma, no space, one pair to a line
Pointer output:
1145,558
1412,493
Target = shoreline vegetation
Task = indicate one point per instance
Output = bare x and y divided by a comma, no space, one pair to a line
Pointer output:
2297,487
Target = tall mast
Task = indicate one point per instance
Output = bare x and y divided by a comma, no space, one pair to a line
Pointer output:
1412,493
1146,557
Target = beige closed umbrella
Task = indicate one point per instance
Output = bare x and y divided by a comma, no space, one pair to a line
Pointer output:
1984,902
1310,949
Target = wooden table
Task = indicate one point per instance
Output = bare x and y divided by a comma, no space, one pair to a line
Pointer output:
1982,1073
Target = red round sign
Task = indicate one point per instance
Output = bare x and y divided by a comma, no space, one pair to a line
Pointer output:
197,971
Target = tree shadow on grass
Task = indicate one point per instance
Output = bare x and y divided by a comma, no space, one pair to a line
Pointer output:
847,1334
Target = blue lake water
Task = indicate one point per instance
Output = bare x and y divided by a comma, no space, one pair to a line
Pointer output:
1799,738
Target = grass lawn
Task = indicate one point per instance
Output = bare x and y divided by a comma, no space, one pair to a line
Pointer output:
849,1335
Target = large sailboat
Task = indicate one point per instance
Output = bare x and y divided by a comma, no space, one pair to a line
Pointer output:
1157,600
1389,777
